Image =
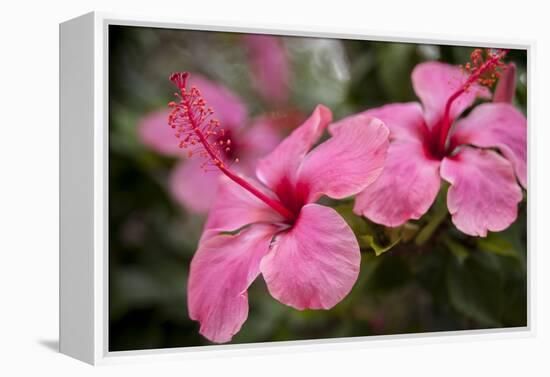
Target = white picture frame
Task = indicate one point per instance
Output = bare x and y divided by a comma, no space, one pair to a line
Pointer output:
84,193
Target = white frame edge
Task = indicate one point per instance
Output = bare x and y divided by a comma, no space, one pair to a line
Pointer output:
84,192
76,188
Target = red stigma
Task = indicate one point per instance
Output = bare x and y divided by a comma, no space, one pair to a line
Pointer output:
203,136
484,67
180,79
195,126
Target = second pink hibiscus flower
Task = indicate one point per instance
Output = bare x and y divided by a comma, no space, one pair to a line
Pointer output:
425,148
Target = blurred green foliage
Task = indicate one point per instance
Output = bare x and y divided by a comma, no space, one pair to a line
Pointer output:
425,276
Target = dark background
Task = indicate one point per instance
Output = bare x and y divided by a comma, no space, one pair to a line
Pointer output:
436,279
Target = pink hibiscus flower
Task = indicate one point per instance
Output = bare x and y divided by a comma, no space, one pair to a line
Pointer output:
269,65
190,185
425,148
306,252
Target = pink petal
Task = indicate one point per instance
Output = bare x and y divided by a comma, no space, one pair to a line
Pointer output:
506,87
435,82
315,264
405,120
154,132
406,188
221,271
192,187
497,125
235,207
260,138
228,108
269,64
283,162
348,162
483,194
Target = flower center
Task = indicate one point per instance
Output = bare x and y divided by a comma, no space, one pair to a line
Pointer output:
292,195
203,135
483,69
229,146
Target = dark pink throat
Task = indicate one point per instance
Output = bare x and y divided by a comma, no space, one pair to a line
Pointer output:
293,195
231,146
483,69
203,136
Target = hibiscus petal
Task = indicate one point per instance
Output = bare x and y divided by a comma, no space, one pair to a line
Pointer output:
315,264
483,194
348,162
221,271
497,125
406,188
154,132
235,207
228,108
283,162
260,138
435,82
404,120
192,187
506,87
269,64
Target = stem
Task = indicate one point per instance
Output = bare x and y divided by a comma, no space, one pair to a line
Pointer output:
446,125
273,203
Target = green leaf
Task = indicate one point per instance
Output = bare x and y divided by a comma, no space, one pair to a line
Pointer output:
497,244
475,288
392,272
457,249
356,223
407,231
395,62
369,264
427,231
370,235
437,214
378,249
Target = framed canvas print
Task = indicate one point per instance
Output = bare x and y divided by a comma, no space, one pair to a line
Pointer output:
234,189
